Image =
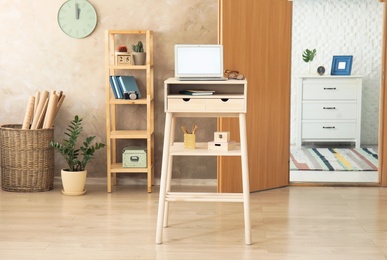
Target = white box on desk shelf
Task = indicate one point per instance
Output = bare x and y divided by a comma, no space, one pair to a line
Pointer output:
221,146
222,137
134,157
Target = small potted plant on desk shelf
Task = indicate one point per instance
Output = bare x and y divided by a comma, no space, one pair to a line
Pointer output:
139,56
74,177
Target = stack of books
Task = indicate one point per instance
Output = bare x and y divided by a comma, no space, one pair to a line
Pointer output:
197,92
122,84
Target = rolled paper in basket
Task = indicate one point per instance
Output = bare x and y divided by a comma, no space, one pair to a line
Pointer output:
37,98
51,111
29,113
42,115
42,100
60,102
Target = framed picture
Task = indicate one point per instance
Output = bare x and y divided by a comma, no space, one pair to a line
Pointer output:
341,65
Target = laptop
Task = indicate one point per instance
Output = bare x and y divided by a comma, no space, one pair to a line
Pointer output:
199,62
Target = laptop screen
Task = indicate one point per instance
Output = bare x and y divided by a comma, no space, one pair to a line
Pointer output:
198,60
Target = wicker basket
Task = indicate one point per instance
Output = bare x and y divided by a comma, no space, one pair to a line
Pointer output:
27,160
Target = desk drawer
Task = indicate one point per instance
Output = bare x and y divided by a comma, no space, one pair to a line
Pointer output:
329,110
225,105
186,104
328,130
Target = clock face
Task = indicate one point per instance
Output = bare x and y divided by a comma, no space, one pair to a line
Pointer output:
77,18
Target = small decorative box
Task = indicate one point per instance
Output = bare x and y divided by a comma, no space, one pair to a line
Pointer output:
134,157
123,58
221,146
222,137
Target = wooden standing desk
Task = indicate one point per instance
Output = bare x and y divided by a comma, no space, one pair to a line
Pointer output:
229,100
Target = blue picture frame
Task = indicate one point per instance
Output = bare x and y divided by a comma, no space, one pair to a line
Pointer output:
342,65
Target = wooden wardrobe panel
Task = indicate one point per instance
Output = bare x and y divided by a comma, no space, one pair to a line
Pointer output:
256,36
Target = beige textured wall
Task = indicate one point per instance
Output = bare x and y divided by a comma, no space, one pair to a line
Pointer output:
37,55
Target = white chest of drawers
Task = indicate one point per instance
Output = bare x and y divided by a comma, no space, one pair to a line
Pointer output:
329,109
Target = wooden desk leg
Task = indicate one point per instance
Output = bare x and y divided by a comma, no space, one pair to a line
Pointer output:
169,171
245,177
163,178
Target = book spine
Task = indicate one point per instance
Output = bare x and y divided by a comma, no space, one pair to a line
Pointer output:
117,87
113,87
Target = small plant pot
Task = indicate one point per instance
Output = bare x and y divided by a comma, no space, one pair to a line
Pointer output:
139,58
73,182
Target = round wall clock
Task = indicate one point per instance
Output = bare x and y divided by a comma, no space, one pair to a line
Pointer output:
77,18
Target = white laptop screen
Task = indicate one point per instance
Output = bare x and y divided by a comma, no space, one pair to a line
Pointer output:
198,60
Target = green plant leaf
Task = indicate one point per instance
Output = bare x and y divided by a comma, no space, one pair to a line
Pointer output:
309,55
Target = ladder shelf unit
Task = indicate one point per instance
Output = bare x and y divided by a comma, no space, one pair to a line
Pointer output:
116,123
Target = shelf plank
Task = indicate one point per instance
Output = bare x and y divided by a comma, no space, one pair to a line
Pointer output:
140,101
128,32
129,67
117,167
177,149
129,134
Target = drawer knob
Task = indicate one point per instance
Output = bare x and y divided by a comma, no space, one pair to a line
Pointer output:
328,127
329,107
329,88
224,99
186,99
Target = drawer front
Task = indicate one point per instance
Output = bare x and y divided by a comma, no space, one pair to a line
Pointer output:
329,91
225,105
329,110
186,105
328,130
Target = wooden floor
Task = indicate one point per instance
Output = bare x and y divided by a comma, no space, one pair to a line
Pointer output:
287,223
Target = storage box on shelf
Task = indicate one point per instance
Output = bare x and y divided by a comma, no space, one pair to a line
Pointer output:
115,134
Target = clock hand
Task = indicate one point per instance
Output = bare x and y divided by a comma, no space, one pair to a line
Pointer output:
77,11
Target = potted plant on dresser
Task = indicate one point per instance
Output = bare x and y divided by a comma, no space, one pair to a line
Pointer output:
74,177
139,56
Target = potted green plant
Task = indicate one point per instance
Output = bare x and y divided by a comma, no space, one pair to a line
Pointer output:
308,56
139,56
74,177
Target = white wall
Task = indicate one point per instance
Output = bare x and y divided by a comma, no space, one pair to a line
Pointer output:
345,27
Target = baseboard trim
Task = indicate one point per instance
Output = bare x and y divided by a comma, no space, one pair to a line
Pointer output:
142,182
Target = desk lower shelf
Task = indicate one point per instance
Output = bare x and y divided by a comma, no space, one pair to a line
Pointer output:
177,149
204,197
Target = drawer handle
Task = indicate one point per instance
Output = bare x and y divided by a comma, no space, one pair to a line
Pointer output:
329,127
329,107
329,88
224,99
186,99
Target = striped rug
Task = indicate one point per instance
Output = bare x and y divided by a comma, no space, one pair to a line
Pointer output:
334,159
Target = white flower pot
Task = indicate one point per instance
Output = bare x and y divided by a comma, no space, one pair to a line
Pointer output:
73,182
